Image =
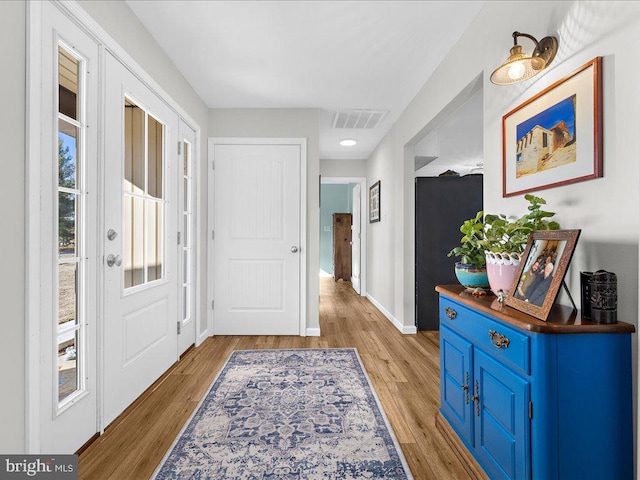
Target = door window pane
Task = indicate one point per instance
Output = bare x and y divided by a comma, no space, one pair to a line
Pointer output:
143,196
185,266
67,227
134,148
67,365
133,242
155,156
68,76
67,293
67,154
154,244
186,192
185,303
185,229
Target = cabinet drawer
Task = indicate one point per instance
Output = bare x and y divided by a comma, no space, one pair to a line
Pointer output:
505,343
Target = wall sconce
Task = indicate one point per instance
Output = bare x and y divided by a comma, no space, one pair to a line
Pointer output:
519,66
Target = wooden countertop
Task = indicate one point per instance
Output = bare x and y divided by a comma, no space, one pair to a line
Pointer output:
562,319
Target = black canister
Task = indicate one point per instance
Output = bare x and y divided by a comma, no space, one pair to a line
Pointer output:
603,289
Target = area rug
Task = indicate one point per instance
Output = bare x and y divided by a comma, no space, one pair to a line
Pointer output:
287,414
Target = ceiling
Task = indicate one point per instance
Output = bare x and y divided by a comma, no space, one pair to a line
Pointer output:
330,55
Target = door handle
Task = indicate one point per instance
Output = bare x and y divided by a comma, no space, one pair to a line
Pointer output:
114,260
294,249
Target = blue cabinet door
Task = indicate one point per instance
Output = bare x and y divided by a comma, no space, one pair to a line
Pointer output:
502,422
455,377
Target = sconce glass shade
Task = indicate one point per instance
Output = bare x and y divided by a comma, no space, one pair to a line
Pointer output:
518,67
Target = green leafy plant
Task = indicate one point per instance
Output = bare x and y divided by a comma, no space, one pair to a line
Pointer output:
504,235
496,233
471,249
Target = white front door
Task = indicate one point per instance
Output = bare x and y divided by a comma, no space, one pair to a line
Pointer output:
140,238
257,223
187,240
69,256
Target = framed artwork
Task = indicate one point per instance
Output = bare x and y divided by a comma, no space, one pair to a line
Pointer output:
546,259
374,202
555,137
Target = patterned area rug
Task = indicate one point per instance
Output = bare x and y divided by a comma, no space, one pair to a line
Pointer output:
287,414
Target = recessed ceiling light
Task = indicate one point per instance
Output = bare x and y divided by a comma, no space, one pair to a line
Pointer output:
348,142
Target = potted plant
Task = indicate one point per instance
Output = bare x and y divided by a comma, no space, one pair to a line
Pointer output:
505,241
471,271
495,243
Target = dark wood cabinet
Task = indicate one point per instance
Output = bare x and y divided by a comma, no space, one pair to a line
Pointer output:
342,246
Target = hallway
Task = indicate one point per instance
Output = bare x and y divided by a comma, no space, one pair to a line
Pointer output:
403,370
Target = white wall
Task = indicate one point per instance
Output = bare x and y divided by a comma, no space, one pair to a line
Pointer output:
284,123
343,168
607,209
12,241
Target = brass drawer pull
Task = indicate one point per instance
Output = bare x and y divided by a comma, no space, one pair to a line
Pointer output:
450,313
498,340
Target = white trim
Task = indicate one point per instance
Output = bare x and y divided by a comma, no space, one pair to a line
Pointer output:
364,215
302,143
404,329
32,228
199,250
313,332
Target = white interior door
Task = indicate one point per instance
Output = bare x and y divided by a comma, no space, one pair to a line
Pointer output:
140,236
69,254
187,240
257,260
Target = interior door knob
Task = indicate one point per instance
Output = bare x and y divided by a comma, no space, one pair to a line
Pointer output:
294,249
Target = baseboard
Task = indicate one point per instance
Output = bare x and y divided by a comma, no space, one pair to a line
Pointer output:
406,330
202,337
313,332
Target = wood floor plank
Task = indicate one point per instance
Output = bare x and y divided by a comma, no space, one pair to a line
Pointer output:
404,371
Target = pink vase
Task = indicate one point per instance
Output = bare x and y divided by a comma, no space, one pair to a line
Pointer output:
502,269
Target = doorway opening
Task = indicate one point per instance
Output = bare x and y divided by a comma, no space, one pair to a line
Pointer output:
448,156
343,230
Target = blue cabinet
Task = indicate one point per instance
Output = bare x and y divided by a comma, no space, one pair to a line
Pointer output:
532,399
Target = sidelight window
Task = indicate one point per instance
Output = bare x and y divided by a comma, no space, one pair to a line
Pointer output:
70,225
187,242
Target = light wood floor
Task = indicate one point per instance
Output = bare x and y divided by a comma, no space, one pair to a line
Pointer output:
403,369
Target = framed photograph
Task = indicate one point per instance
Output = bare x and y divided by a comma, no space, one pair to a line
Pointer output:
555,138
546,259
374,202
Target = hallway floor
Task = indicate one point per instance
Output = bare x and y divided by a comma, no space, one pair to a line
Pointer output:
404,370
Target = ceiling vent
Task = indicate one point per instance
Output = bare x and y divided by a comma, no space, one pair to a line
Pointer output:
358,118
